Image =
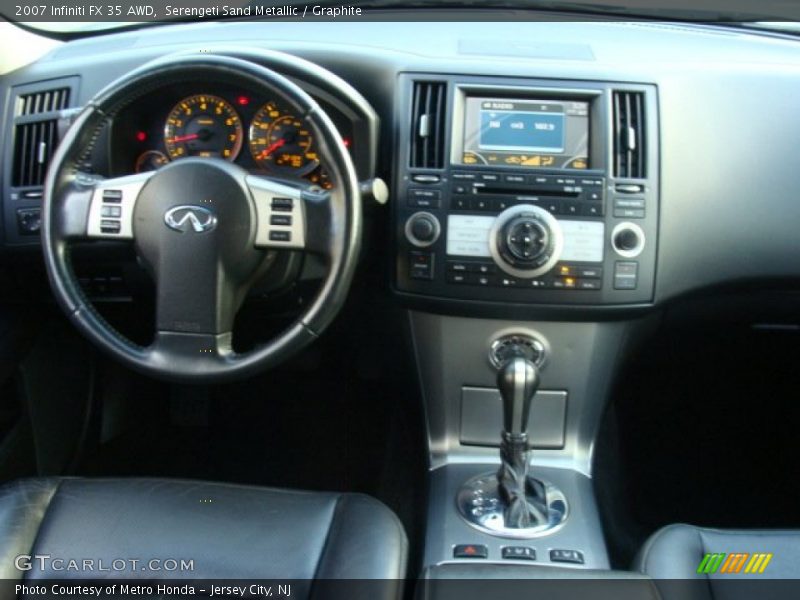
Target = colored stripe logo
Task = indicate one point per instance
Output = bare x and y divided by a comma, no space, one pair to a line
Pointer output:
735,562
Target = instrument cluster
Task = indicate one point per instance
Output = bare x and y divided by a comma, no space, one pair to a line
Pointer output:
260,134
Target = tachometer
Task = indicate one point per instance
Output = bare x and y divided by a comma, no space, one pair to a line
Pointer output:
203,125
281,142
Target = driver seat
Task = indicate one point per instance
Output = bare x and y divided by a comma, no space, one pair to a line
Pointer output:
228,531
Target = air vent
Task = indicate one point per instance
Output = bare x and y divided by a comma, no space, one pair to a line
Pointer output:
428,124
629,135
42,102
33,147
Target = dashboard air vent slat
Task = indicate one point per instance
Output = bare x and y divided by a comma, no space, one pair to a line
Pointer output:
36,133
428,124
33,148
42,102
629,135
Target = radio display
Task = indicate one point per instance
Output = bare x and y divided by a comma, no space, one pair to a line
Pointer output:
526,133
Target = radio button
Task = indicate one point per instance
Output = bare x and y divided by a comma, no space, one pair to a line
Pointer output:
485,268
482,280
552,206
507,282
424,198
593,209
491,177
457,278
457,267
459,204
514,178
629,213
629,203
480,204
589,284
590,272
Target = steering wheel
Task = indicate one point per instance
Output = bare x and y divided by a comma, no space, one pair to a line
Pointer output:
203,227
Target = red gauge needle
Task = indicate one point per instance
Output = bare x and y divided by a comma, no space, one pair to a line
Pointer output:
184,138
272,147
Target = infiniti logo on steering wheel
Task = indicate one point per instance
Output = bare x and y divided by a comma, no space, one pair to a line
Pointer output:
190,217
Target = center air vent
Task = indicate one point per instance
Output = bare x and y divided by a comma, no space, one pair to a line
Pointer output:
428,124
629,135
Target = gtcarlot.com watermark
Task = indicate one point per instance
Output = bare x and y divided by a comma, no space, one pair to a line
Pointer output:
46,562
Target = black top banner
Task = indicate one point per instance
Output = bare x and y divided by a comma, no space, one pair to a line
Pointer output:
154,11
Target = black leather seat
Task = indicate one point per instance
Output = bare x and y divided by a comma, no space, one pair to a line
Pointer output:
229,531
673,556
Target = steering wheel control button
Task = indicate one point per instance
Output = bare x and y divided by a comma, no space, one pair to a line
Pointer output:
280,236
110,226
112,205
567,556
628,239
282,204
285,220
114,196
420,265
115,212
422,229
626,275
470,551
519,553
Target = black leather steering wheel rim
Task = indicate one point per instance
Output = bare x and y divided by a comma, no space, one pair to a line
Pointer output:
177,358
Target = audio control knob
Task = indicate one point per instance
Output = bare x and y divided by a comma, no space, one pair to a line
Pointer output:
628,239
422,229
525,241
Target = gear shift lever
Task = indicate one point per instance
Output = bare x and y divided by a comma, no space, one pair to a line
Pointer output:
517,380
509,502
524,498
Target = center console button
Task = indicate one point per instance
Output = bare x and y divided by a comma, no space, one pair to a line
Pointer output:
470,551
567,556
519,553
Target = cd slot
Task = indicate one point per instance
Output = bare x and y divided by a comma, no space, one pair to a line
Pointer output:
526,191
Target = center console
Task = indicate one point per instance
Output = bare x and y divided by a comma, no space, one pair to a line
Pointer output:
515,200
520,191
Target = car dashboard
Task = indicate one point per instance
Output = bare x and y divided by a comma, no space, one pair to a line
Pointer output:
658,163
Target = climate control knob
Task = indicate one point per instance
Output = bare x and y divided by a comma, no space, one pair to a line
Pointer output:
526,241
628,239
422,229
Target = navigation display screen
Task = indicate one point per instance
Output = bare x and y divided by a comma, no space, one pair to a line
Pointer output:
526,133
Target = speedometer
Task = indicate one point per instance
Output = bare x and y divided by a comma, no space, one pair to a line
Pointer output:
281,142
203,125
